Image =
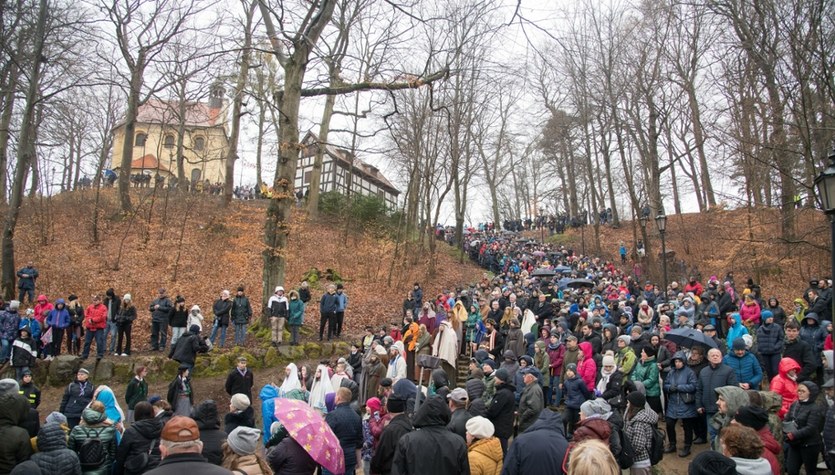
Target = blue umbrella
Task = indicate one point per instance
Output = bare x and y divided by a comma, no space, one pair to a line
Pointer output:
688,337
562,269
563,283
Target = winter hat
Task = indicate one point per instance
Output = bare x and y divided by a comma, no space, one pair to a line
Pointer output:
480,427
489,362
571,367
244,440
481,356
279,289
636,329
330,401
749,341
396,404
626,339
711,463
608,361
154,399
55,417
14,305
739,344
502,374
752,416
127,298
766,314
194,329
386,382
9,386
373,404
240,402
637,399
649,350
595,407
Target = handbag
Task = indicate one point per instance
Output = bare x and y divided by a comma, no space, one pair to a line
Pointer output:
688,398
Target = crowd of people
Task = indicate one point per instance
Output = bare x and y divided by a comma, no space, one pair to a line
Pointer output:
573,367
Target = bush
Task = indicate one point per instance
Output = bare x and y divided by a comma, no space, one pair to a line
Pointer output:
362,211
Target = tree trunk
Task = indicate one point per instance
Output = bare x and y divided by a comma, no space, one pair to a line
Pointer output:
316,174
237,104
262,117
25,155
127,145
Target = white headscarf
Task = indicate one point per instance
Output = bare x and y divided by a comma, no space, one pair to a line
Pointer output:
291,382
320,389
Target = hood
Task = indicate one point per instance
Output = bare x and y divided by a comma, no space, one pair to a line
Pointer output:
548,421
758,465
737,318
530,338
786,365
440,378
42,297
814,316
195,307
829,355
679,355
475,389
205,415
509,355
60,302
148,428
527,359
734,396
51,437
13,409
772,402
587,349
612,329
92,417
814,390
433,412
268,392
597,425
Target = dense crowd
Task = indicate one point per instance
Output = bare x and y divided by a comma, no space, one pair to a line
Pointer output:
573,366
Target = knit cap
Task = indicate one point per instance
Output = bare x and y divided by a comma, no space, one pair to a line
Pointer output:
608,361
55,417
502,374
637,399
711,463
752,416
626,339
480,427
244,440
240,402
9,386
595,407
738,344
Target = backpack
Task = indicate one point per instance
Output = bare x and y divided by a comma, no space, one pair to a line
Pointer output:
91,453
626,457
656,448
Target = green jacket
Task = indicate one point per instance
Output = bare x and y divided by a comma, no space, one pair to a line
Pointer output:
296,310
626,359
93,426
137,391
647,373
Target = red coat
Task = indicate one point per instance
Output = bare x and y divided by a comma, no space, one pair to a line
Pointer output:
587,368
784,386
771,448
95,317
750,312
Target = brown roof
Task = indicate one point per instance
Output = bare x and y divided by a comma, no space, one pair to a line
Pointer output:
370,172
198,114
148,162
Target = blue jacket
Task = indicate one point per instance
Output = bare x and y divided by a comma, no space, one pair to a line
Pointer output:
746,368
736,331
27,283
814,334
9,324
32,325
540,449
770,339
58,318
576,392
679,382
341,301
267,395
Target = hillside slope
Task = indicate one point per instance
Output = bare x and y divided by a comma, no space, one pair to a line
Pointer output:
744,241
191,246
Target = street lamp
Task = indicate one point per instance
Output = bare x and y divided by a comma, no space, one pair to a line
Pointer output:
661,222
825,183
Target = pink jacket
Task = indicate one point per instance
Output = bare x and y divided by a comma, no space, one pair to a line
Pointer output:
587,368
750,312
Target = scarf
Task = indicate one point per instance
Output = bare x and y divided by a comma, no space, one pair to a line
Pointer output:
604,379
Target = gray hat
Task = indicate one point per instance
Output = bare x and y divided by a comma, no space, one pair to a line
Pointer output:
56,417
244,440
595,407
829,384
14,305
9,386
503,375
458,395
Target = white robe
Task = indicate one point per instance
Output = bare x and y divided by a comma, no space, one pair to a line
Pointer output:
320,389
291,382
446,344
528,320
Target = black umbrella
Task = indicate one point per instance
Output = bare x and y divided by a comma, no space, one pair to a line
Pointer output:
543,272
688,337
577,283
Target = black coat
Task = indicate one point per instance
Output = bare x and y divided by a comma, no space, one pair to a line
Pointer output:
16,446
208,421
179,317
801,352
709,379
223,312
432,449
240,384
458,422
290,458
501,410
76,397
347,426
187,347
53,455
540,449
809,417
136,441
399,426
180,464
235,419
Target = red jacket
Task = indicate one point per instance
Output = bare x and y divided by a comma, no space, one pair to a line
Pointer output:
95,317
784,386
696,288
587,368
771,448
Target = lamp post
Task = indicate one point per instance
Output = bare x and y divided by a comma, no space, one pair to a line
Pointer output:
661,222
825,184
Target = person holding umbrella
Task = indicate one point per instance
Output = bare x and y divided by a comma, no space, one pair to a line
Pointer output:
308,429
